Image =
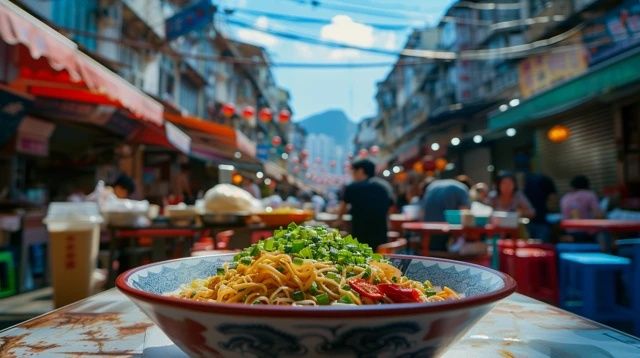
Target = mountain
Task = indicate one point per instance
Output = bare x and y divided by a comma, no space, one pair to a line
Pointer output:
333,123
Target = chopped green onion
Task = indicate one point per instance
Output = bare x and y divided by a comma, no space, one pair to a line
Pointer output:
298,296
430,293
246,260
346,287
427,284
367,273
298,261
394,279
314,288
322,299
297,246
345,299
334,276
268,244
220,271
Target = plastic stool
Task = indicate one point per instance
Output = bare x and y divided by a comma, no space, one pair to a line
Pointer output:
592,277
9,284
535,271
576,247
630,248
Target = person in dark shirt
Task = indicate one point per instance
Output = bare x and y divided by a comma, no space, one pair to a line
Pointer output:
540,190
369,199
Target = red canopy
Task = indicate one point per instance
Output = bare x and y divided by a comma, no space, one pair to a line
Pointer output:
19,27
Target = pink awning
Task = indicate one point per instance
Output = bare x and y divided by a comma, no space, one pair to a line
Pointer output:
62,54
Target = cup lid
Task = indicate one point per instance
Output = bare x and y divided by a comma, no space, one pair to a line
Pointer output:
86,212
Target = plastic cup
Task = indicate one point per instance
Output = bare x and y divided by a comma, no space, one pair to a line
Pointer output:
74,239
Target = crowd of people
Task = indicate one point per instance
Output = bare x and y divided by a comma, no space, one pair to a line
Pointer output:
370,199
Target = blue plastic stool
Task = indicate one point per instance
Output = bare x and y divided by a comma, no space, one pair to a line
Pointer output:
576,247
592,276
631,248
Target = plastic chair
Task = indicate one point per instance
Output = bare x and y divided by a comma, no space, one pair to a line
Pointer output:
9,283
534,269
589,285
393,247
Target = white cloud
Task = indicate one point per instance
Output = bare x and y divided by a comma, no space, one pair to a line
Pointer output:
344,54
343,29
387,40
262,23
256,37
305,51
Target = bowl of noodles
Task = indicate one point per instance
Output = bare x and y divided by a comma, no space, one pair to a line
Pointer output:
308,291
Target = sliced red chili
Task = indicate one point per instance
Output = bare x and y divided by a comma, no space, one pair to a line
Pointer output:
365,289
399,294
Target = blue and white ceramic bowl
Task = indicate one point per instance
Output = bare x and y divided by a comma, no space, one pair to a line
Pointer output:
239,330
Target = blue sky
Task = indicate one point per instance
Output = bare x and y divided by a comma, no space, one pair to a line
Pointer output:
316,90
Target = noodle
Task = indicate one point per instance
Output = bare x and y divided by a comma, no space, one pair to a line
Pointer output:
272,278
305,266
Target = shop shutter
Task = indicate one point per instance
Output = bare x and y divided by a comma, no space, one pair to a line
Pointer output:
474,164
590,149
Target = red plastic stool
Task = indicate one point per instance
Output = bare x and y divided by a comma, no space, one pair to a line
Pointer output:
223,238
535,271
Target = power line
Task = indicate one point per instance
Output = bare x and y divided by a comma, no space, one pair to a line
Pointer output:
353,8
300,19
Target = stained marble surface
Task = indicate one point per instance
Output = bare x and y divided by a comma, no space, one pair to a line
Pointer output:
109,324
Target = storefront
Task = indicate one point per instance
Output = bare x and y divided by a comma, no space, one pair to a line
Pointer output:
596,116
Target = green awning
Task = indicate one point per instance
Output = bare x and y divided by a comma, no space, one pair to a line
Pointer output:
598,81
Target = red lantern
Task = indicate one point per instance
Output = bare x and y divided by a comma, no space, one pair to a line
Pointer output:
295,160
288,148
296,170
265,115
248,113
374,150
284,116
305,164
363,153
228,110
276,141
304,153
429,164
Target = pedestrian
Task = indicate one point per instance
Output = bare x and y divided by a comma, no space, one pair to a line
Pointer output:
580,203
507,197
439,196
542,194
369,199
123,187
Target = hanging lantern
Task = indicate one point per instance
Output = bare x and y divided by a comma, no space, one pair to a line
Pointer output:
295,160
284,116
248,113
418,167
305,164
236,179
429,164
363,153
304,154
296,169
228,110
374,150
288,148
440,163
558,133
332,163
265,114
276,141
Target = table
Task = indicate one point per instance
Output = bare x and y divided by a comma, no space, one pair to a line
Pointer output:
396,221
158,235
108,324
426,229
613,226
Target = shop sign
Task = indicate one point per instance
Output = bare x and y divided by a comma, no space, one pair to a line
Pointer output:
614,32
178,138
33,137
542,71
192,18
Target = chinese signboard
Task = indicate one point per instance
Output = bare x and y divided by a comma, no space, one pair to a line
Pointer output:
542,71
192,18
613,33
